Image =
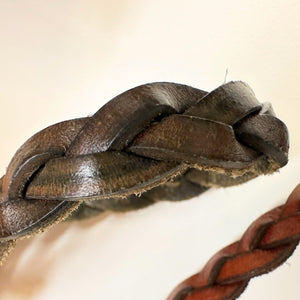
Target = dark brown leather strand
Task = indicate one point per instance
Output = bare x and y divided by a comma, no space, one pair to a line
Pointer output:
159,141
134,145
266,244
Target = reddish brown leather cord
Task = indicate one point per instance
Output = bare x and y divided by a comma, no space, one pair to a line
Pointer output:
159,141
266,244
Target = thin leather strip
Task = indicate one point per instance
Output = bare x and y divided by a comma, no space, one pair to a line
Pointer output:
51,142
215,145
251,128
120,120
226,104
100,175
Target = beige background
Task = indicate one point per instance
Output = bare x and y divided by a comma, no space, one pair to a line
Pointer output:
65,59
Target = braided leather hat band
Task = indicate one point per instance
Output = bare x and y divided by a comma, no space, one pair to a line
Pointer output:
159,141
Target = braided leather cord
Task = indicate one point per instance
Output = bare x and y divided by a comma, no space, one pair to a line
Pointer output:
266,244
159,141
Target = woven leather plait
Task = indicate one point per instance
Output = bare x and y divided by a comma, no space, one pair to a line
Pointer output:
159,141
266,244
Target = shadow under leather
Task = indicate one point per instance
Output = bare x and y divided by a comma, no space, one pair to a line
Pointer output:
28,268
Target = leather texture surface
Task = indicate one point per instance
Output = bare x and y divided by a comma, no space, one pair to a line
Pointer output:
158,141
265,245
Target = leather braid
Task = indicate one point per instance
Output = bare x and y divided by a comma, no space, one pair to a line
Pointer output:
266,244
159,141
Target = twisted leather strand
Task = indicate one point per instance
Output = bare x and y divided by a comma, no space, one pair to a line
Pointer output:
266,244
159,141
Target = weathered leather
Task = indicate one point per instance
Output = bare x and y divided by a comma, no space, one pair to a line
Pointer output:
159,141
